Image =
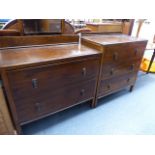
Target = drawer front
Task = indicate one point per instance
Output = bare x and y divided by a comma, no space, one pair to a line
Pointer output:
28,82
124,52
113,70
53,101
111,85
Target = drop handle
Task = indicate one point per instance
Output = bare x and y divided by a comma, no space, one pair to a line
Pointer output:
82,92
38,107
108,87
136,51
115,56
84,71
34,83
132,67
112,71
128,80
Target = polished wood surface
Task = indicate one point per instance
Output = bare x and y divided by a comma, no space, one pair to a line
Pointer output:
14,41
43,79
111,39
112,85
9,32
53,73
105,27
121,59
29,56
38,91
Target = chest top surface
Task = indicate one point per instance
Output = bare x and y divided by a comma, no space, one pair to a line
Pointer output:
112,39
33,55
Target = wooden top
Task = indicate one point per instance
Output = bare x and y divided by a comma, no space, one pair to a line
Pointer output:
14,41
111,39
9,32
31,55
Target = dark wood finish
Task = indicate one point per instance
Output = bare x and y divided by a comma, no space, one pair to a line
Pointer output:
9,32
33,26
120,63
44,79
105,27
46,74
111,85
14,41
41,102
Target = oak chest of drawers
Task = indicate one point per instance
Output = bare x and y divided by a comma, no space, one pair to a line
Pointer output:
58,77
48,89
121,59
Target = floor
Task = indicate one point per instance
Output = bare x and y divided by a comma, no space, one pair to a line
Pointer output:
119,113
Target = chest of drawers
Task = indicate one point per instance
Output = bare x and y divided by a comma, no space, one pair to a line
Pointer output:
44,79
121,59
48,89
38,89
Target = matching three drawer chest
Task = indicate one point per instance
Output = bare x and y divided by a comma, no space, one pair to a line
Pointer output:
120,64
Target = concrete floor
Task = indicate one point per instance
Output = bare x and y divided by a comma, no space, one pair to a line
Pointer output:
119,113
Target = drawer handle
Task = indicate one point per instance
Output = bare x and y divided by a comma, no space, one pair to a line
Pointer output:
132,67
108,87
84,71
34,83
38,107
128,80
115,56
82,92
136,51
112,71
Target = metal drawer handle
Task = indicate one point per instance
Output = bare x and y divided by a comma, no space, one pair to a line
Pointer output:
136,51
128,80
115,56
84,71
112,71
82,92
108,86
132,67
38,107
34,83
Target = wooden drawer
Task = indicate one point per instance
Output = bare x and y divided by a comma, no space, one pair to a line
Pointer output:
111,85
28,82
53,101
113,70
123,52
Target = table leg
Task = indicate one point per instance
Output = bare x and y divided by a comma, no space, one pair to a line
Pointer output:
152,58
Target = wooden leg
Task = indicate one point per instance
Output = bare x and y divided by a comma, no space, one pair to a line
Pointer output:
152,58
131,88
94,102
19,129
